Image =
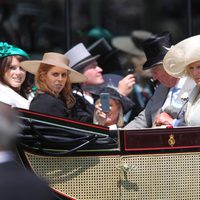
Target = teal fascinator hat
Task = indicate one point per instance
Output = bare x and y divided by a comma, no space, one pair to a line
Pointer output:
10,50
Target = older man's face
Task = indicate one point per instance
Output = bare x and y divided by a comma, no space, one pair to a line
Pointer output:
94,74
158,73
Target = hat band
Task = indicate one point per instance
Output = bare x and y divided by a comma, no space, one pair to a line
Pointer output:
90,56
77,67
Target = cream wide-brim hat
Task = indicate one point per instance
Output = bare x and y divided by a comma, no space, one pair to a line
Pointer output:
53,59
132,44
181,55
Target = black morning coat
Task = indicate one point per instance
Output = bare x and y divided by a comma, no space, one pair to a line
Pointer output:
17,183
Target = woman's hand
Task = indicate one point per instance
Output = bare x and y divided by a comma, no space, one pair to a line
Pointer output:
101,117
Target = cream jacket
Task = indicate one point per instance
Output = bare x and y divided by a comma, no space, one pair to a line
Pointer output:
192,115
10,97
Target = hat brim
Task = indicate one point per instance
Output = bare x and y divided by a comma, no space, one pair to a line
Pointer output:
181,55
126,44
179,71
33,66
152,62
84,63
126,102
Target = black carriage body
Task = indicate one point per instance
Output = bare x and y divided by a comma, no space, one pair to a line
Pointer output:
87,161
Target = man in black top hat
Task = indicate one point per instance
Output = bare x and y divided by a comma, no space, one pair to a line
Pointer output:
167,96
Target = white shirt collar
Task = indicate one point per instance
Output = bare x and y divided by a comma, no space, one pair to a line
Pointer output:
181,82
89,98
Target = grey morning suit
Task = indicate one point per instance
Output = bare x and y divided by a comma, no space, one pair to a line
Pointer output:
146,118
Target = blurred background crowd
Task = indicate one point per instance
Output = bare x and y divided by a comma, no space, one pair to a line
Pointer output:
39,26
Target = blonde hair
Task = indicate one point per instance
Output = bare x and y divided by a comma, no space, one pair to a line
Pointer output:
187,71
120,121
66,93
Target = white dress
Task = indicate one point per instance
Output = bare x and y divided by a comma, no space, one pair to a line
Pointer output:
10,97
192,115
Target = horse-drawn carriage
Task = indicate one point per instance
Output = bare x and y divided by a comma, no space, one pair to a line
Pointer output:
87,161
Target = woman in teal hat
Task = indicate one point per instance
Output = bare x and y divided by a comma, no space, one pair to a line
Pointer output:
13,79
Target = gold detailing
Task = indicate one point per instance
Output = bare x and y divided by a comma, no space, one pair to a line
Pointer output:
171,140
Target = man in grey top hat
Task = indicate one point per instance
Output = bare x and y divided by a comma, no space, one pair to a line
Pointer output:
82,61
168,95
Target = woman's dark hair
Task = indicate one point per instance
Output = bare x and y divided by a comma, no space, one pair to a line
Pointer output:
5,63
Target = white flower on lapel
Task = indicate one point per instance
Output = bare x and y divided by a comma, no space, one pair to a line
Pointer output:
185,96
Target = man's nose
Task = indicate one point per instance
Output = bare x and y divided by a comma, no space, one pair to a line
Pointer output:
99,69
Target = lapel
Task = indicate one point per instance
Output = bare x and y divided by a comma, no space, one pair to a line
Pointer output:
187,88
191,102
158,100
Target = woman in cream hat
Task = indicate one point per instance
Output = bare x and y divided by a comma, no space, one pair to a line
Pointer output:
53,79
183,59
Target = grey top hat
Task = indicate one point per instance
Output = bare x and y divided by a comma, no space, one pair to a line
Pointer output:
79,57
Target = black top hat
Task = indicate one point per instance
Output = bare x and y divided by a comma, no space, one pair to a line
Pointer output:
101,47
156,48
108,58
